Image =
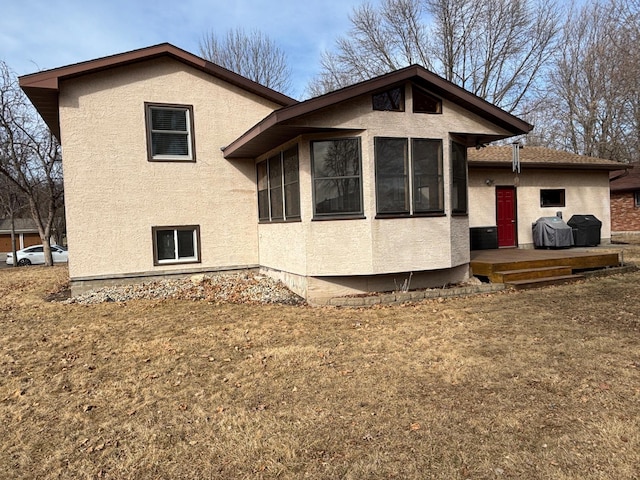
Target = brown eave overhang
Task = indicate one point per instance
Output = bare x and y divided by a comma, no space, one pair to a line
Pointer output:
252,141
42,88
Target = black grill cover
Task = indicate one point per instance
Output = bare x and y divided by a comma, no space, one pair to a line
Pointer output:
552,232
586,230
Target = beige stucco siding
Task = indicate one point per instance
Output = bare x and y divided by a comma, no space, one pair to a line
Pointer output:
586,192
370,246
113,195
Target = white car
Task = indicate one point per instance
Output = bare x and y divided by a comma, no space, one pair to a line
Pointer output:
34,255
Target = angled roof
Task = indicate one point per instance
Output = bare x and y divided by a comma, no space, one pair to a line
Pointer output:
538,157
625,180
42,88
282,124
21,225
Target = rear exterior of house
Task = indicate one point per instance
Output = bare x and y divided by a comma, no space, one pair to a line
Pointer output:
625,200
550,182
175,166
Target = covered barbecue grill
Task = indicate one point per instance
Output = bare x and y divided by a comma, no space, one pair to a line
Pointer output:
552,232
586,230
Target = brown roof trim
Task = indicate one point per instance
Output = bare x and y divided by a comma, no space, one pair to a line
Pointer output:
42,88
438,85
500,156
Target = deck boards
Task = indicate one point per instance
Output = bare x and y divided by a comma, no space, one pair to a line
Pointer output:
493,263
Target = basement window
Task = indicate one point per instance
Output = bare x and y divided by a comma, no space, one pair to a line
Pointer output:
176,244
552,197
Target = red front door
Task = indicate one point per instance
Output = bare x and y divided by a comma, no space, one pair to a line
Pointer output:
506,214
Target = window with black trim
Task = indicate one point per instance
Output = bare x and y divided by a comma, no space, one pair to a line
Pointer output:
424,102
552,197
169,132
409,177
337,178
459,202
279,187
173,245
636,195
390,100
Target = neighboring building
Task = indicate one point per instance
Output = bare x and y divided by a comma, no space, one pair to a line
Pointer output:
550,181
625,199
174,165
25,230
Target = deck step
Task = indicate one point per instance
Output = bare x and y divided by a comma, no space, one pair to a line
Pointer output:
544,282
506,276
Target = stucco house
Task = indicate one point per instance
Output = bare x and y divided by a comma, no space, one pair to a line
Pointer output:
625,199
174,165
549,181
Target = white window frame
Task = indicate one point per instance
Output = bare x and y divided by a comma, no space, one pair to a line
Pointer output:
188,112
195,258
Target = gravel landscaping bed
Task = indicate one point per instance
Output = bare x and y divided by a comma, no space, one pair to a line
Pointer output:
232,288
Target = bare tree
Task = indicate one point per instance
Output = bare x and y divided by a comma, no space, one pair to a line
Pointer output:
29,157
594,86
493,48
252,55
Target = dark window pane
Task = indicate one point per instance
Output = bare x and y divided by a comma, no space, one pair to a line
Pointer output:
291,183
391,175
186,245
169,119
166,244
336,171
459,178
389,100
552,198
336,158
428,188
341,196
263,191
169,143
425,103
275,187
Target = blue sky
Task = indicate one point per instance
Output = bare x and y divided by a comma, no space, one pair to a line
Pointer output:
38,35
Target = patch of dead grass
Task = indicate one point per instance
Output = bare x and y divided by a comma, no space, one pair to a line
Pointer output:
533,384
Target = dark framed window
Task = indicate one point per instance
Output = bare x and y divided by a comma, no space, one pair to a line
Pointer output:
279,187
409,177
424,102
170,132
179,244
459,202
391,100
337,178
552,197
636,196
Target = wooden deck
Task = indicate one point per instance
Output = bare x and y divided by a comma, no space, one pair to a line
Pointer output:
527,267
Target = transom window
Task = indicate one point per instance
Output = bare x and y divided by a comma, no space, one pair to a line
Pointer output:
459,203
170,132
279,187
176,244
390,100
552,197
337,178
409,176
424,102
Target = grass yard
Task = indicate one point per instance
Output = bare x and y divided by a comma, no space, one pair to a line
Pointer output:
538,384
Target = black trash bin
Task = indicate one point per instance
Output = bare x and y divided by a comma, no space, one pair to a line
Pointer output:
551,232
586,230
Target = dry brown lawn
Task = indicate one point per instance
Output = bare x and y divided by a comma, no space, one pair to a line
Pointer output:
539,384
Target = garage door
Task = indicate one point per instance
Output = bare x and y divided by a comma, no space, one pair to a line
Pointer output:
31,239
5,243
